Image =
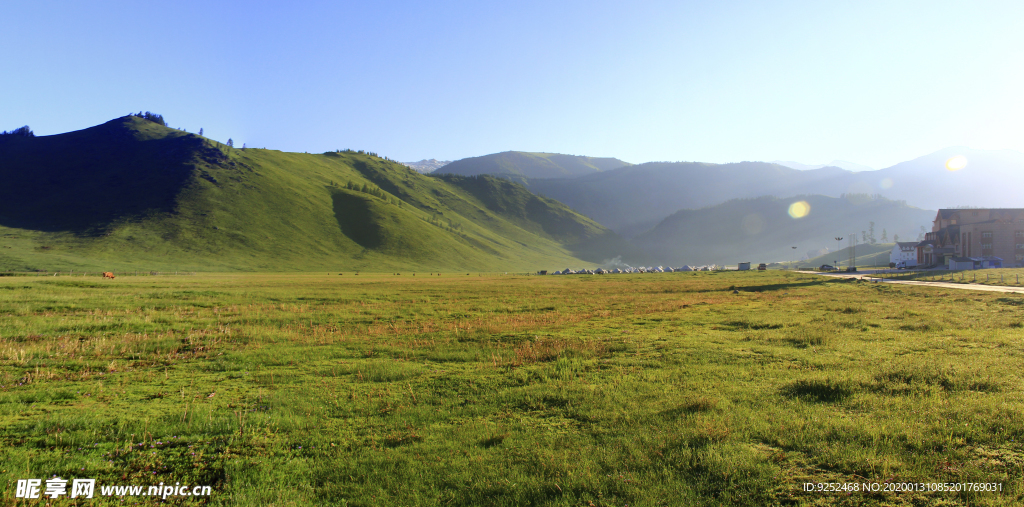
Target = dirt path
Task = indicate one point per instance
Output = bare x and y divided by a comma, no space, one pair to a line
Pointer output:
945,285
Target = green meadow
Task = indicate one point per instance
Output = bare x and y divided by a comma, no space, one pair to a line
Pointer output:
709,388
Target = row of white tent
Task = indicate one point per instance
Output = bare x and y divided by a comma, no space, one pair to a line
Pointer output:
659,269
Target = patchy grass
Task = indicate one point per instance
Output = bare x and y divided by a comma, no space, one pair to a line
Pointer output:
663,389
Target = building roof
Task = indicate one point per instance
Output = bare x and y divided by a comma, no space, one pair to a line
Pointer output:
906,245
947,213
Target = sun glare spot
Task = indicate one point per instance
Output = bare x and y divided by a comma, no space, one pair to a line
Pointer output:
886,183
799,209
956,163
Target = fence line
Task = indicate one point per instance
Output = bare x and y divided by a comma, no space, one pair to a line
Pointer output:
953,276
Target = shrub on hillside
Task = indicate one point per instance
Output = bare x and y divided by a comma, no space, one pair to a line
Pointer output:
153,117
21,131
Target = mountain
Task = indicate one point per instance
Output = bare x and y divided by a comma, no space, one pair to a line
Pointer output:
842,164
764,229
631,200
426,166
519,165
132,193
990,179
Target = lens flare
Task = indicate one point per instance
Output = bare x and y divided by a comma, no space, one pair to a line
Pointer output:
885,184
799,209
956,163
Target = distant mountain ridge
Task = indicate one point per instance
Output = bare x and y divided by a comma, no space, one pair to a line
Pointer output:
633,199
426,166
520,166
842,164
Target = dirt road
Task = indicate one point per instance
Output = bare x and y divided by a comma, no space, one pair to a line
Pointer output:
945,285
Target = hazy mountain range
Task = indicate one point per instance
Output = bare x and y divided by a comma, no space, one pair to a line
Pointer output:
633,199
522,166
842,164
637,201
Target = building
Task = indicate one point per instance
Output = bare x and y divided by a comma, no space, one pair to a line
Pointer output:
961,263
743,266
905,252
974,233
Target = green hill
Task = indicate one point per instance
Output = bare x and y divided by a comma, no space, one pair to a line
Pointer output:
762,229
134,194
519,165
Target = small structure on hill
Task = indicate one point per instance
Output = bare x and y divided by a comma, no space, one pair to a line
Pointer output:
959,263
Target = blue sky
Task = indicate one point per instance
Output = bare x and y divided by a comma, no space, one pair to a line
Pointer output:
870,82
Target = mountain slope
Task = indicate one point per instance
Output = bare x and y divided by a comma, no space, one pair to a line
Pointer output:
867,256
131,193
79,180
519,165
584,237
762,229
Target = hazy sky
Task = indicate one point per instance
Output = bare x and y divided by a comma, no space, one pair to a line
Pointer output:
869,82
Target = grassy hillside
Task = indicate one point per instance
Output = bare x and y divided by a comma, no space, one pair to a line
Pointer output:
519,165
868,255
584,237
82,180
762,230
132,194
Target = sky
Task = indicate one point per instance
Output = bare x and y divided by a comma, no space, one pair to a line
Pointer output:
874,83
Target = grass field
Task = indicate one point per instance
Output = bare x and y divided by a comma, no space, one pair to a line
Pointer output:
656,389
